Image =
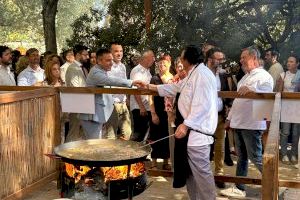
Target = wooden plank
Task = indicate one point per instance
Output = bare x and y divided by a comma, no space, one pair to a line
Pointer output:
229,179
270,178
238,179
289,183
58,116
157,172
290,95
234,94
94,90
29,94
20,88
33,187
131,91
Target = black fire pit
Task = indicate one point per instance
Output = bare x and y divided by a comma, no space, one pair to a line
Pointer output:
106,153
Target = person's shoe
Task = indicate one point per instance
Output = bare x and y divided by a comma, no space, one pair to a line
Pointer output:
233,192
220,184
285,159
294,160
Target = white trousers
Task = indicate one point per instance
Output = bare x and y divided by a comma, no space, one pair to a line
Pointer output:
200,184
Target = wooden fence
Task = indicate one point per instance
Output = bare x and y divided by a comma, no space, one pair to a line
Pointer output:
29,127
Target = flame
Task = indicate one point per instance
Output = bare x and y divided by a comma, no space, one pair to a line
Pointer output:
121,172
110,173
76,173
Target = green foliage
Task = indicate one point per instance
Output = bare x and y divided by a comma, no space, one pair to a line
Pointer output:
21,20
232,24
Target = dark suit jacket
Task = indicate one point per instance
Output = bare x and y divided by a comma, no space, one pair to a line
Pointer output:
225,87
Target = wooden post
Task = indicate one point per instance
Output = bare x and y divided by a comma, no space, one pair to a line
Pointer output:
270,180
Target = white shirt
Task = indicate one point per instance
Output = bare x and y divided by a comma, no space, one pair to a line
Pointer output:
118,70
288,84
63,70
220,101
29,77
197,103
75,76
240,115
6,76
142,74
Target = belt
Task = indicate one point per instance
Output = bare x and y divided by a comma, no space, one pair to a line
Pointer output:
190,129
119,102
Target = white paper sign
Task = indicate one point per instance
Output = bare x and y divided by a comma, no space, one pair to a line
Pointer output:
262,109
77,103
290,111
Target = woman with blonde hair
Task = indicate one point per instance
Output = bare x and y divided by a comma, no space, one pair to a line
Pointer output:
159,123
52,74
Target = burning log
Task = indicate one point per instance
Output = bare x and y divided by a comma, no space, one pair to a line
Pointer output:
105,180
121,172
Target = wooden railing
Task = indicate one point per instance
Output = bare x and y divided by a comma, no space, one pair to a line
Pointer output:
34,96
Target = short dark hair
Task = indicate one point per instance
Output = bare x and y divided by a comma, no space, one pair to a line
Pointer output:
210,42
3,49
101,52
192,54
64,54
294,56
211,52
274,52
114,43
30,51
78,49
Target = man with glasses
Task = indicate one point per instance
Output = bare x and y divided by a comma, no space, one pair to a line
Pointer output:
215,57
76,77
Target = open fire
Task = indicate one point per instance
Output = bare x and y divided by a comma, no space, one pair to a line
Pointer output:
113,182
109,173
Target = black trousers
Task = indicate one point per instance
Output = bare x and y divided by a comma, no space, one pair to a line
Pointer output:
140,125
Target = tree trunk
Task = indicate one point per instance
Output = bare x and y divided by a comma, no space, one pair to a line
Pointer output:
148,16
49,14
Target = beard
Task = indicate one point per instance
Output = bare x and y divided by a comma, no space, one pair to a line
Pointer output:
6,63
267,65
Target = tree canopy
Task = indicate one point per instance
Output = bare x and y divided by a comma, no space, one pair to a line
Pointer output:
232,24
21,21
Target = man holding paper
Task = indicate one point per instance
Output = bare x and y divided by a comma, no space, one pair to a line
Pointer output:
92,124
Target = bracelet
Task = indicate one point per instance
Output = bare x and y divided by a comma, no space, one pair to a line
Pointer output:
148,86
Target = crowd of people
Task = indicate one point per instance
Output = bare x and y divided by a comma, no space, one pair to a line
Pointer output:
206,127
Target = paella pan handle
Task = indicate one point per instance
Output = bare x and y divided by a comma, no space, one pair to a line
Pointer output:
52,156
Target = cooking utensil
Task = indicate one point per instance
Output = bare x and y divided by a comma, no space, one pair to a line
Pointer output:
152,142
102,152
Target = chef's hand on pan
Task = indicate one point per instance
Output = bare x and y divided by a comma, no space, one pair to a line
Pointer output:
181,131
